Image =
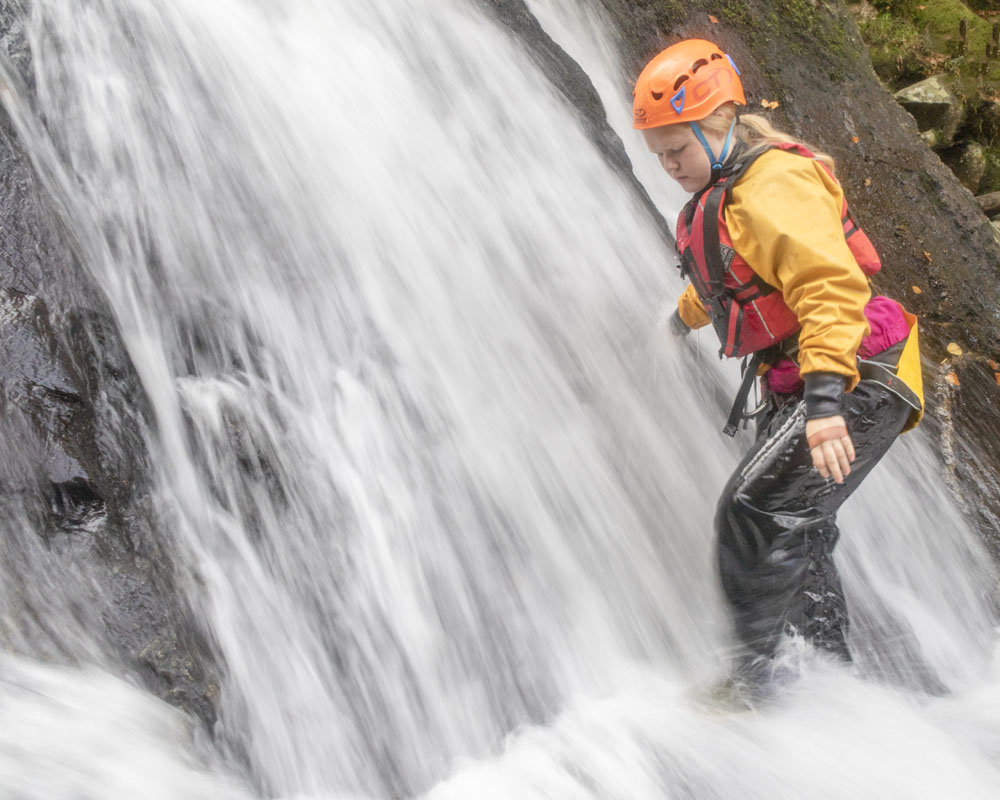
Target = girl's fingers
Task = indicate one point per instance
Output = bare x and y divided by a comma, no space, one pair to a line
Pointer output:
849,448
843,462
836,459
833,458
819,461
831,448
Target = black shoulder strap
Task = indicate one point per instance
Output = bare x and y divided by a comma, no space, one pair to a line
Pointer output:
716,198
710,236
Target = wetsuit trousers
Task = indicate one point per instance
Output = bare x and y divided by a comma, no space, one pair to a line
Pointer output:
776,529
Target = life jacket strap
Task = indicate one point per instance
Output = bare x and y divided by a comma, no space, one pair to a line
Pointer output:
749,369
737,413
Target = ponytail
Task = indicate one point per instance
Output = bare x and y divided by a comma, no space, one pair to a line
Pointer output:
757,132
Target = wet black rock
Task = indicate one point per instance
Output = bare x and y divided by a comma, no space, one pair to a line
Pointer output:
73,469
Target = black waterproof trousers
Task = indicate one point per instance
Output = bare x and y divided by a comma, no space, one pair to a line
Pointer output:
776,525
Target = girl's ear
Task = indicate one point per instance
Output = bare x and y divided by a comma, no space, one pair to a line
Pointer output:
724,112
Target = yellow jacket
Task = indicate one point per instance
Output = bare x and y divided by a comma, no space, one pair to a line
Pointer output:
783,217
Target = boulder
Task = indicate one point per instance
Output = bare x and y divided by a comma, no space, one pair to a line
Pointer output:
937,110
989,203
984,119
968,162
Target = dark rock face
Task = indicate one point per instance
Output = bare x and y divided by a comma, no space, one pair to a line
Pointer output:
965,417
72,462
49,429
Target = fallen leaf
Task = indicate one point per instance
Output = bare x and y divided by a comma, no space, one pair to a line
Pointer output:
952,378
928,257
855,139
997,376
954,349
917,290
713,20
994,365
764,103
868,181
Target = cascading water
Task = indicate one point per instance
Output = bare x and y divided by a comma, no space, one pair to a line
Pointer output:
438,489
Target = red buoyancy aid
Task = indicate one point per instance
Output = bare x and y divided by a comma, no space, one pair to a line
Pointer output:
748,314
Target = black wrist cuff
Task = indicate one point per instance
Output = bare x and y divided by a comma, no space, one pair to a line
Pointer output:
678,327
822,394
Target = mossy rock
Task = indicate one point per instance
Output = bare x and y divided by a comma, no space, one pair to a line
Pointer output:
938,110
984,122
991,177
968,162
940,20
898,50
996,230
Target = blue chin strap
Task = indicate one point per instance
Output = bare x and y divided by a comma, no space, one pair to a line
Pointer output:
716,162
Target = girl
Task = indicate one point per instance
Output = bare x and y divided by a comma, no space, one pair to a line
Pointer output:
779,267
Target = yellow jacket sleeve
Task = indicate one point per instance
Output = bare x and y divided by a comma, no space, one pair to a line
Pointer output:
691,310
784,219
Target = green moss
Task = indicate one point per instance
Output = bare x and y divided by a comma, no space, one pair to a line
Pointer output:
820,32
912,39
669,11
940,20
897,48
736,13
800,13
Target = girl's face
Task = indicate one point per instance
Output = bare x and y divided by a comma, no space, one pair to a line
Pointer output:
682,155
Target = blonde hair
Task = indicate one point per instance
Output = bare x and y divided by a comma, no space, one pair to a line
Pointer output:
755,131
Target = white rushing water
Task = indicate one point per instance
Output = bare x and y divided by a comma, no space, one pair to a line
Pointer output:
438,488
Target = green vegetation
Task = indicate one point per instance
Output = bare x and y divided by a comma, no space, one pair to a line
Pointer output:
912,39
736,13
909,40
898,50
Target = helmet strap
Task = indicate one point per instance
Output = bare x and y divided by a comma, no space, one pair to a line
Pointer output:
716,162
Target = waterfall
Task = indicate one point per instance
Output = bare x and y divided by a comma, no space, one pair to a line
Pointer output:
438,488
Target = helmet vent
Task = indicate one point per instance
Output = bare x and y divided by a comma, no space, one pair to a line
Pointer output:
679,81
716,55
697,65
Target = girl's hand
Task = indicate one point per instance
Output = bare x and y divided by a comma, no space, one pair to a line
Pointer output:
830,446
676,325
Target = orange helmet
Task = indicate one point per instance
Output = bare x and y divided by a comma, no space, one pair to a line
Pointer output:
685,83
